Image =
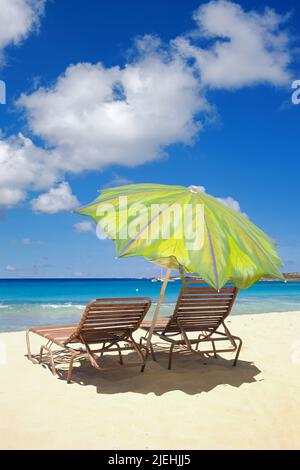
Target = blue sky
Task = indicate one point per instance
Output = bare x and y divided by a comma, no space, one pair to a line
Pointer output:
232,127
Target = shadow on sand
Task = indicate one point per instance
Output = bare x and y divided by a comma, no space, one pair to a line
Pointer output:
191,374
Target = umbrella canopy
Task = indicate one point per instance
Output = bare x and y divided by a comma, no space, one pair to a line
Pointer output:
218,243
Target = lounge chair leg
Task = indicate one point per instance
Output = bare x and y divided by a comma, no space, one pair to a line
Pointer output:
45,346
238,350
51,358
120,354
198,341
70,368
152,353
33,360
145,360
229,335
150,346
140,353
102,352
214,348
41,354
170,356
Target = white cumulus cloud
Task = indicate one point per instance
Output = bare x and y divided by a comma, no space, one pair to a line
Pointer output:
29,241
227,201
23,167
93,117
232,203
17,19
85,226
244,47
57,199
10,268
96,116
118,180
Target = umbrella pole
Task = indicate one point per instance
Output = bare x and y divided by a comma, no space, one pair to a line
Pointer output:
156,312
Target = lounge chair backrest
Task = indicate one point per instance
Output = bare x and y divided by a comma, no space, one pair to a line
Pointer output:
111,316
200,307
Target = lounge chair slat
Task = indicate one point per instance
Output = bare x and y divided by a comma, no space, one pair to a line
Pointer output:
55,332
206,298
103,326
124,307
120,300
51,327
208,290
119,318
201,310
205,302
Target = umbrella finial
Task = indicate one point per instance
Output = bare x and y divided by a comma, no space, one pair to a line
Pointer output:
196,189
193,189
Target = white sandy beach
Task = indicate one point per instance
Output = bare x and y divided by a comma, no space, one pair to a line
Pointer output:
194,406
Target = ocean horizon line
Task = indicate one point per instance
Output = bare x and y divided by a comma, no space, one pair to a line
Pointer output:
72,278
114,278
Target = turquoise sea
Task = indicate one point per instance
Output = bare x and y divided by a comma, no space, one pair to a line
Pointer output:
25,303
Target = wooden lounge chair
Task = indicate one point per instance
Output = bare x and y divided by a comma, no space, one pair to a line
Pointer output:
199,309
105,322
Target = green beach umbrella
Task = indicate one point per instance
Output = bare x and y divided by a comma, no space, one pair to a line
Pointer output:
185,229
233,248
